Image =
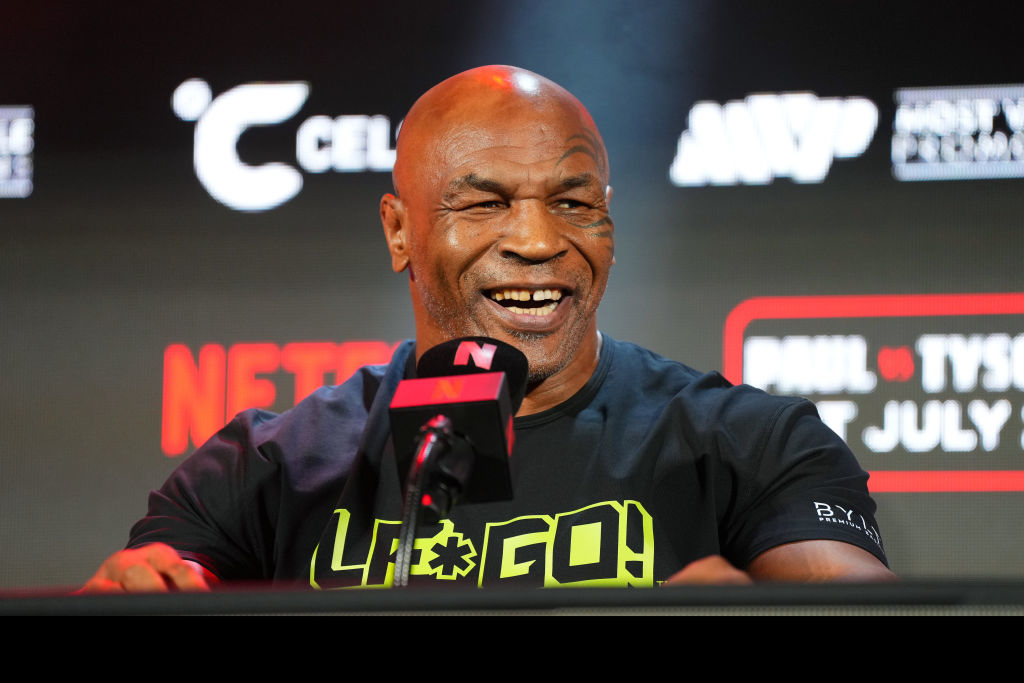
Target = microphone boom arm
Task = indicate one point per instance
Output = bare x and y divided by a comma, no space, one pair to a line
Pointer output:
438,473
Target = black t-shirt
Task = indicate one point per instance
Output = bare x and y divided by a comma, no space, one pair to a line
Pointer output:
651,465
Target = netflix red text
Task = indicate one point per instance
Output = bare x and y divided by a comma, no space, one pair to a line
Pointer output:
204,388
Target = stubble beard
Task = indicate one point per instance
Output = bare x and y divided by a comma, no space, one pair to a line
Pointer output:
455,323
542,364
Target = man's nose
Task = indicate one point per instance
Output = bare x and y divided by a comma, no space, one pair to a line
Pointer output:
533,233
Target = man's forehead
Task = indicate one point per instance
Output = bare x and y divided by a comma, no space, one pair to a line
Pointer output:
496,115
504,169
524,144
524,137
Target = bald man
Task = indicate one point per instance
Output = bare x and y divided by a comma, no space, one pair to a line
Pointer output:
629,469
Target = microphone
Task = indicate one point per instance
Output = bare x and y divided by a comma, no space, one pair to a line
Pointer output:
478,384
474,355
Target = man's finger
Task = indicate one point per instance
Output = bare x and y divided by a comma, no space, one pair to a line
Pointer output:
182,574
152,568
173,571
142,577
185,576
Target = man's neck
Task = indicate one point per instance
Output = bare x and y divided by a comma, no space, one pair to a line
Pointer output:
562,385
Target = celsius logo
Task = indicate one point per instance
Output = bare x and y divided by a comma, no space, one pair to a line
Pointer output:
767,136
350,143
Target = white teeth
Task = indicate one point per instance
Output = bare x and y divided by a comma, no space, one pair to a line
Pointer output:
526,295
547,309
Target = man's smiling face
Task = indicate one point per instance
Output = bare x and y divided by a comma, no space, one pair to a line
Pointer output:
502,218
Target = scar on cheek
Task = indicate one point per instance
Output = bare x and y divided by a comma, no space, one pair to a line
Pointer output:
412,275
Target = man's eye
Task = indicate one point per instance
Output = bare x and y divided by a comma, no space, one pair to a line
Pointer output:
570,204
490,204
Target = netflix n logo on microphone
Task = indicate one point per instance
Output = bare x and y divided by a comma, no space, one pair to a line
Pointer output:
481,354
478,384
918,386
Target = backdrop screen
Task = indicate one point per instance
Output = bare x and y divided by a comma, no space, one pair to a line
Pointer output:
822,199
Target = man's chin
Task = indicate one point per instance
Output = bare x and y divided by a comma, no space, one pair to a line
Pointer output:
547,354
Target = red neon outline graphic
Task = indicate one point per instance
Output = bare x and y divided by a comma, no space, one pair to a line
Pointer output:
880,306
947,481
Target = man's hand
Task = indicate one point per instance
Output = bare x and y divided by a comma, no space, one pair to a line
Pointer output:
152,568
713,569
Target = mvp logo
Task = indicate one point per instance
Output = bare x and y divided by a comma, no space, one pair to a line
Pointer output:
767,136
605,544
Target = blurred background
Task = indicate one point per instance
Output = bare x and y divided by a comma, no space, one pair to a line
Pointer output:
804,194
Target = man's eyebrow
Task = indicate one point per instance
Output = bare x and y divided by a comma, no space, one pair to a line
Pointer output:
580,180
471,181
474,182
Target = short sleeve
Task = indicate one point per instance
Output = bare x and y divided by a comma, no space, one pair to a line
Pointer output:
805,485
216,507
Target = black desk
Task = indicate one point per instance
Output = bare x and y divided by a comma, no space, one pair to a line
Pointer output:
904,598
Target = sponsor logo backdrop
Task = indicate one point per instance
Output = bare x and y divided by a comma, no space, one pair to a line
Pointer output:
188,226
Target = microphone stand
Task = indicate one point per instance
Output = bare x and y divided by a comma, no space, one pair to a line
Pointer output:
437,474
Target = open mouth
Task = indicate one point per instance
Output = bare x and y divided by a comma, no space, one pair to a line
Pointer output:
538,302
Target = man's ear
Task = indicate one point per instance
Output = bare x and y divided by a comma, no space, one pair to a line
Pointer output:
393,218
